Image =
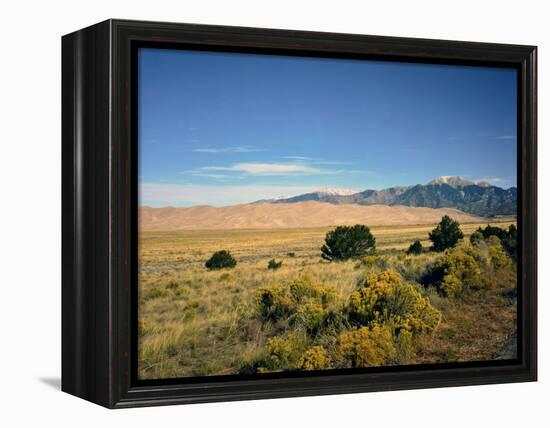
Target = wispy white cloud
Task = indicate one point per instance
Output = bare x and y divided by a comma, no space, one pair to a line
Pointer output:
497,181
235,149
488,135
492,180
316,161
329,162
163,194
215,176
301,158
252,168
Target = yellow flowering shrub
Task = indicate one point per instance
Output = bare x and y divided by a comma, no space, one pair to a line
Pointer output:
310,316
498,256
274,303
404,346
366,347
280,353
315,358
451,286
456,271
385,298
367,261
301,302
303,290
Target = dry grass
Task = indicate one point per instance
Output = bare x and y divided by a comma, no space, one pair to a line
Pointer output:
196,322
476,328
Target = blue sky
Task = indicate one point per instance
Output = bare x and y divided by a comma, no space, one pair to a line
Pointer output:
226,128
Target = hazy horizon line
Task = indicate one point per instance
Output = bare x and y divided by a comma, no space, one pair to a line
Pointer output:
166,195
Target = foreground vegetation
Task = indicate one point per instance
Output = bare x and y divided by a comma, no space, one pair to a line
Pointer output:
283,307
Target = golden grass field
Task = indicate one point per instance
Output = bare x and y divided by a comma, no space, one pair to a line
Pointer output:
196,322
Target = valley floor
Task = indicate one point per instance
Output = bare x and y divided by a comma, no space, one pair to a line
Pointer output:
195,322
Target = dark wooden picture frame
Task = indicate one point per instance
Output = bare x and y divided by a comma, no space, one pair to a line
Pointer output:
99,225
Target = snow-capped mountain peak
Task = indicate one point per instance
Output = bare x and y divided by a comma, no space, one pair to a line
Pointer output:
453,181
335,192
471,196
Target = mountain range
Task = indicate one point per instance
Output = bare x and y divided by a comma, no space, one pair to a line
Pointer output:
479,198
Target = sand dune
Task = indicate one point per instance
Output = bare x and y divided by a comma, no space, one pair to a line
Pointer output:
301,214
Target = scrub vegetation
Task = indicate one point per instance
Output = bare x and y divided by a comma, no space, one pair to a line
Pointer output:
219,302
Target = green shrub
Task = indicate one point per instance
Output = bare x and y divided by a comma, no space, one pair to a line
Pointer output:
334,321
508,238
510,242
386,299
220,260
291,254
415,248
446,234
273,264
348,242
489,231
476,238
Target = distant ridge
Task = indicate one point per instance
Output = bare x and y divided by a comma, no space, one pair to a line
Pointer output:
291,215
325,195
478,198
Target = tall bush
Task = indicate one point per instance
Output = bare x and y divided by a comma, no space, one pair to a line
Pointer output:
446,234
274,264
348,242
415,248
220,260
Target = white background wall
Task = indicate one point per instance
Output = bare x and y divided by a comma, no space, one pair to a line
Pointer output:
30,212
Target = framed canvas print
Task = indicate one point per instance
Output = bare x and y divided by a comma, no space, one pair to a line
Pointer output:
252,213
